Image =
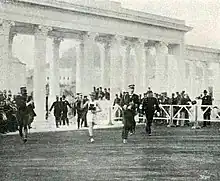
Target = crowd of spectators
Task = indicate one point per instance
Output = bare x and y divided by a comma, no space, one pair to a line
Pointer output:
101,94
177,99
8,122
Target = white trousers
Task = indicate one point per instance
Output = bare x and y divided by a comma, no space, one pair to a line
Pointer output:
91,118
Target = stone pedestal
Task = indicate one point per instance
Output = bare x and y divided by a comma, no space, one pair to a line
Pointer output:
40,75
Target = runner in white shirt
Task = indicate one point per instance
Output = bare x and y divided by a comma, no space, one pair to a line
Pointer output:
93,109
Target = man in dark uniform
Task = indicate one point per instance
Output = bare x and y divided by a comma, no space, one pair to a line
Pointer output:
206,100
149,105
22,114
79,109
5,94
85,111
135,99
107,94
130,103
65,105
3,118
57,111
30,108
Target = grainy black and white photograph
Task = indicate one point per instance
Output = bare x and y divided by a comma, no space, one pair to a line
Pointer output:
106,90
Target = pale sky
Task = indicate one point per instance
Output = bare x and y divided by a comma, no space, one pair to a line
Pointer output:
202,15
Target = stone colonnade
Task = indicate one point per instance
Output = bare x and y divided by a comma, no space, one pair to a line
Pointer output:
116,60
124,61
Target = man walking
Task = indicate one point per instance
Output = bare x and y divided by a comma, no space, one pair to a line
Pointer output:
85,111
57,111
206,100
149,106
65,104
79,109
129,103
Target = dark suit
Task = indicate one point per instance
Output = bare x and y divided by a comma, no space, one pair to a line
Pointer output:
206,100
129,114
57,111
150,104
107,95
65,105
79,109
85,111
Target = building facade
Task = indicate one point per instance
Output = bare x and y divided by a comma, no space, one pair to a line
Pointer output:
135,47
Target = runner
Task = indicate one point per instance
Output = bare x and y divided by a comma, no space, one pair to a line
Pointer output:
93,109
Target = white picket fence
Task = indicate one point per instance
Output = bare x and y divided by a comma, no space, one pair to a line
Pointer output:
169,113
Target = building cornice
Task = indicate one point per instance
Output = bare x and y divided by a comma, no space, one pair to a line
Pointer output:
202,54
203,49
123,14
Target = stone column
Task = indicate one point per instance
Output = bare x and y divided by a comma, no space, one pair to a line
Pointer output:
11,38
216,85
5,27
161,68
193,80
125,63
178,51
150,67
140,69
206,67
39,90
115,66
55,72
80,67
89,81
105,64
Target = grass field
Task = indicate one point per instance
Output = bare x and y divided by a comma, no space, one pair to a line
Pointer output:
169,154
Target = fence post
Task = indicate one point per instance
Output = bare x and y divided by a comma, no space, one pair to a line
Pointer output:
171,117
196,124
110,116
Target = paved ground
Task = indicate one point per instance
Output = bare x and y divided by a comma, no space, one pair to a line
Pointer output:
170,154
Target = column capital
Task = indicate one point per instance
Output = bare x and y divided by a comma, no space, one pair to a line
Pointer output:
43,30
151,49
88,36
117,38
57,40
161,47
91,36
5,23
6,26
141,42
